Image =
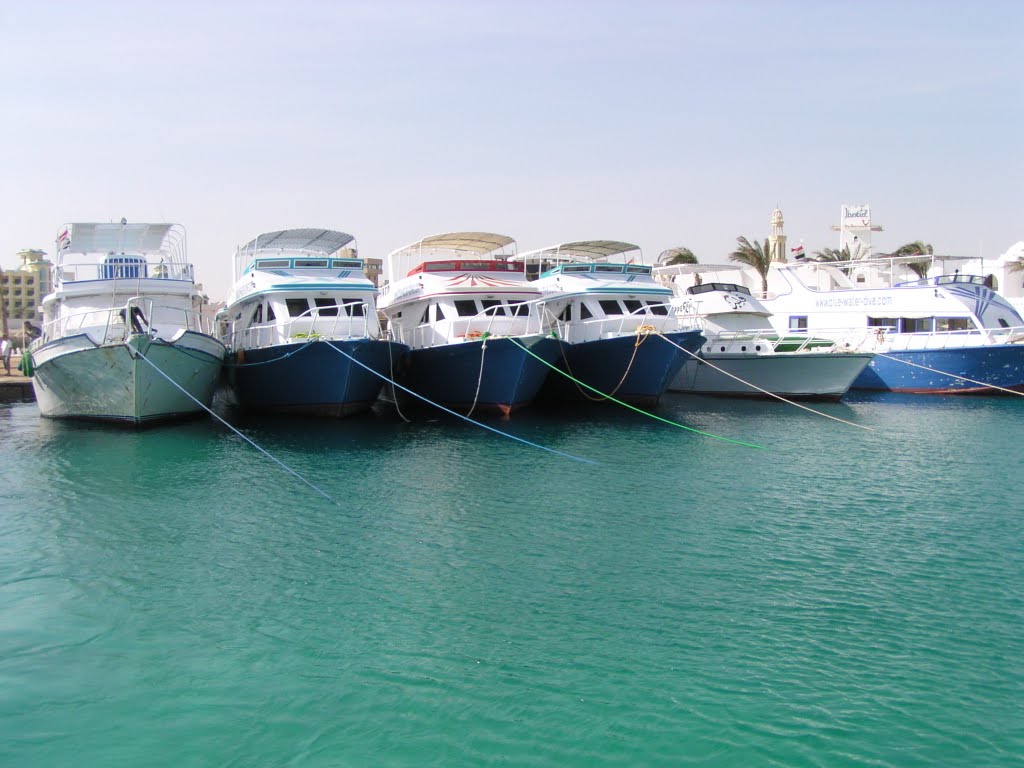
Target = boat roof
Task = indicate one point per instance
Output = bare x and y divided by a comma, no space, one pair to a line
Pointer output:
581,250
325,241
460,242
167,240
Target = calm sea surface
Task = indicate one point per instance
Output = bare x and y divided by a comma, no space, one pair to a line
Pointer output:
841,597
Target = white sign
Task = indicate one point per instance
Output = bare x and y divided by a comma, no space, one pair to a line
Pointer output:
856,216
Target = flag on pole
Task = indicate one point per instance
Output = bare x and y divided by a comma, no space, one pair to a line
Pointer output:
797,250
64,240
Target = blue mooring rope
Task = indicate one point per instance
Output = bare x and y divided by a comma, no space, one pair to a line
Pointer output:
237,432
455,413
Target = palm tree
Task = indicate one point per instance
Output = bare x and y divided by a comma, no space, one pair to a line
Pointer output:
833,254
916,248
756,255
679,255
1017,265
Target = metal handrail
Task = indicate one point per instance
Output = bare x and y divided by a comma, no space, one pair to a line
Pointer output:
278,332
491,321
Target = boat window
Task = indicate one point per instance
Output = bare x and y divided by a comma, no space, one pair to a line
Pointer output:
610,306
270,313
272,263
657,309
354,307
798,322
439,266
608,268
883,322
632,305
564,314
296,307
346,263
257,315
327,307
489,304
952,324
310,263
1003,323
426,315
518,308
132,267
917,325
465,307
576,268
585,313
637,269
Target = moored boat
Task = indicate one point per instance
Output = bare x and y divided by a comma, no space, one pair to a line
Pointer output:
471,321
743,355
618,336
943,334
123,336
301,326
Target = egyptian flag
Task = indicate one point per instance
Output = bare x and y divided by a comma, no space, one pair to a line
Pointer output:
64,240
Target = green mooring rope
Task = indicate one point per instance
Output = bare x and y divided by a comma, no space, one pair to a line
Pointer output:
633,407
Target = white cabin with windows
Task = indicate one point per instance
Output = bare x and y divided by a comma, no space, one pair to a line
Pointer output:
295,285
458,287
598,289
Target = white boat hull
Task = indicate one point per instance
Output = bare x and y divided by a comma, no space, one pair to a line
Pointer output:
76,378
806,375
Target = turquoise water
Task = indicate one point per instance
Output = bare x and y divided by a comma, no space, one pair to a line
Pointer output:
172,598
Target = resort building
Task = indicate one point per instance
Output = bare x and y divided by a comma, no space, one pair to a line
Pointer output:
23,289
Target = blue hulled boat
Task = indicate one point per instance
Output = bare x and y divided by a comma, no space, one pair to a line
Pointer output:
301,327
939,334
618,335
471,321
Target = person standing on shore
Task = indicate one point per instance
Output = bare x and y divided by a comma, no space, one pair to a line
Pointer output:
5,352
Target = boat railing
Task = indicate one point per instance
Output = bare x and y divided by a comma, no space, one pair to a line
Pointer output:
113,324
773,340
516,318
330,322
123,267
613,326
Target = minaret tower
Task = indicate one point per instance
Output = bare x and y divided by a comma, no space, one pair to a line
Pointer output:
777,241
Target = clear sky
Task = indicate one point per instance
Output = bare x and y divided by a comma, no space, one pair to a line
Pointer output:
658,123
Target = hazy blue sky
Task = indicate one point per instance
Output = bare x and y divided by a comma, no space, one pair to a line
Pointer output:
659,123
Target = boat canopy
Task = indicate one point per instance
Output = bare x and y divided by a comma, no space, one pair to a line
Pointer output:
582,250
325,241
458,242
472,245
161,240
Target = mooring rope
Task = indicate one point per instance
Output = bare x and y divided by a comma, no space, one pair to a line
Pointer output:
391,366
237,432
480,376
697,357
459,415
951,375
641,336
634,408
268,362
